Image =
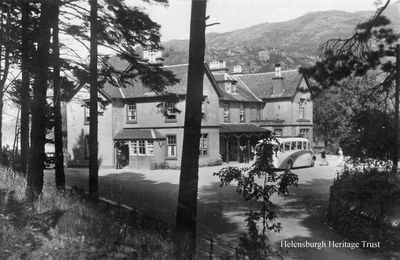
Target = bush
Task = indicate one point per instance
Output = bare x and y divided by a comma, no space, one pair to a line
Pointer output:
370,188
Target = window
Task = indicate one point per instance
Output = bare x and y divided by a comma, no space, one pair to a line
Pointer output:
150,147
171,113
278,132
203,110
293,146
304,145
131,113
304,132
301,112
133,148
87,115
301,108
203,144
86,146
171,146
228,87
299,145
258,112
287,146
233,88
242,113
100,110
226,112
141,147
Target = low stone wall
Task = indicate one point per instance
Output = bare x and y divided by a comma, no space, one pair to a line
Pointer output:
358,225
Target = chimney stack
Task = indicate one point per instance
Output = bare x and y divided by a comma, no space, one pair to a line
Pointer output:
218,66
152,56
278,73
277,81
237,69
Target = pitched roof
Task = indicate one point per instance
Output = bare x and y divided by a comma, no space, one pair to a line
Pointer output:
241,128
136,89
138,134
242,94
261,83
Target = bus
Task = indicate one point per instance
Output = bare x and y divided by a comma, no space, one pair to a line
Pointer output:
293,152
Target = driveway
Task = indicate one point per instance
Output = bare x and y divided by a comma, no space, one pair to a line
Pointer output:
221,210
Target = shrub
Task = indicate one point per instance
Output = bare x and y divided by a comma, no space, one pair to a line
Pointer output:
371,188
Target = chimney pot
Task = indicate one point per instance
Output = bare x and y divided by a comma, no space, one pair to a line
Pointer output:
278,73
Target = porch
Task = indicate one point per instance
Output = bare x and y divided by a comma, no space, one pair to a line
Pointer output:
238,141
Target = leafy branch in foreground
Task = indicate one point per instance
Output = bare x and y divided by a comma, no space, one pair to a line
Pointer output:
258,183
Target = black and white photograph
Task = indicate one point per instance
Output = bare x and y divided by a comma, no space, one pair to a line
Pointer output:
200,129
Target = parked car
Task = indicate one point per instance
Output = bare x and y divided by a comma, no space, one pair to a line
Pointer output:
49,161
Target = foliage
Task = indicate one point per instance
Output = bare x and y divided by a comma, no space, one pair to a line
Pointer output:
366,55
253,244
343,115
368,185
62,226
367,49
371,135
122,29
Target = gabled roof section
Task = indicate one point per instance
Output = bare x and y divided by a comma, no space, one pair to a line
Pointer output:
69,96
242,94
261,83
137,90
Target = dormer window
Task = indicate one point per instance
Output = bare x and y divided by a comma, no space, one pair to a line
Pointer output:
233,88
228,87
171,113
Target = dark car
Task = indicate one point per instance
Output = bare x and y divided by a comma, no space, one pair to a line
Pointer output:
49,162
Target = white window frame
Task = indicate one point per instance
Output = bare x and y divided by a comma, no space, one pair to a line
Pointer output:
227,116
131,111
242,112
203,145
150,147
173,145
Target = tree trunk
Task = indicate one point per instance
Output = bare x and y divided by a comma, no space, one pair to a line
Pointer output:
395,155
186,218
93,146
38,108
4,70
25,96
58,137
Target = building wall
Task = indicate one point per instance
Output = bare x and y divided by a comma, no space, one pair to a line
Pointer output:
77,132
150,116
234,107
289,110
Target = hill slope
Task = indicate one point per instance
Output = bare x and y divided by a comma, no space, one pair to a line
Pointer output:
292,43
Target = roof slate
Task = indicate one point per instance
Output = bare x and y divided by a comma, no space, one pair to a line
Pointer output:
243,94
261,83
138,134
138,90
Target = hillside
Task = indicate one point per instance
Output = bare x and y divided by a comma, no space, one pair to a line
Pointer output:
292,43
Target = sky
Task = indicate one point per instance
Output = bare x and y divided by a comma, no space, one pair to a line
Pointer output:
237,14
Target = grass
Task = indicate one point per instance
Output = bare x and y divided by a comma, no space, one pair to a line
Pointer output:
60,225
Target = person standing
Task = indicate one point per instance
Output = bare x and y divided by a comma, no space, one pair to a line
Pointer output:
341,161
324,160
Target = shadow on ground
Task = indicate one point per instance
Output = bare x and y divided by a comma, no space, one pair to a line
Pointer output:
309,203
